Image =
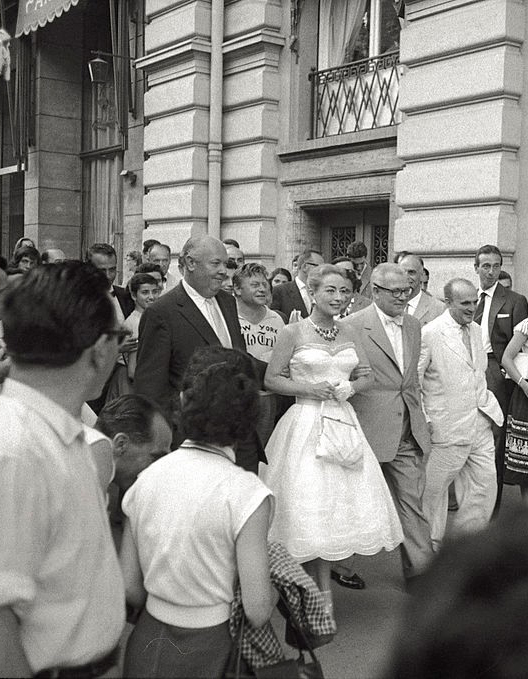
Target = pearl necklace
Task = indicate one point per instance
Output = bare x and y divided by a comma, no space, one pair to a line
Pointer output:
326,334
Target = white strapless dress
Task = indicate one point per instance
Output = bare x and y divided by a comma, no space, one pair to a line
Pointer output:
324,510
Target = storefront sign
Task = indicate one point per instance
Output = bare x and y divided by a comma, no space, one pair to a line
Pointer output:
35,13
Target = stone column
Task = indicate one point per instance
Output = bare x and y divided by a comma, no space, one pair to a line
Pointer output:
461,132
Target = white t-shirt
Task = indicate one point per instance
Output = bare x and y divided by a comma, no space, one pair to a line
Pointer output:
186,511
260,337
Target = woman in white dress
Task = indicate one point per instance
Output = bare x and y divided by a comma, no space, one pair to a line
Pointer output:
324,512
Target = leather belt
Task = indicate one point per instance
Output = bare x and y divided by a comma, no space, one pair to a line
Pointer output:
88,671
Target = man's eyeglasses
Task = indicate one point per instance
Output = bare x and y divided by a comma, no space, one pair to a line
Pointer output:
395,292
120,333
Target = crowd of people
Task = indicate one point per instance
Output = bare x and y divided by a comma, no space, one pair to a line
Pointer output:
332,410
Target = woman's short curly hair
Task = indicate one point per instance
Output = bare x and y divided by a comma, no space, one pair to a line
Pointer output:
219,396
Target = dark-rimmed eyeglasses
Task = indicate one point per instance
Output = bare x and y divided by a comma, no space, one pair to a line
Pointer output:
395,292
120,333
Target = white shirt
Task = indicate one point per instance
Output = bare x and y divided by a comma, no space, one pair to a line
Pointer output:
304,294
171,282
203,306
394,333
412,304
58,567
260,337
484,324
186,511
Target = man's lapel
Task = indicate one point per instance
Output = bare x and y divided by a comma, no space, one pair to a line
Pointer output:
296,298
407,342
497,302
377,333
195,317
230,319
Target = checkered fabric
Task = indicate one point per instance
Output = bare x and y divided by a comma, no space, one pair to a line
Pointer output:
260,647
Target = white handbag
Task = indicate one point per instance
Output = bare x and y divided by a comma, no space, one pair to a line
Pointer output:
339,442
521,363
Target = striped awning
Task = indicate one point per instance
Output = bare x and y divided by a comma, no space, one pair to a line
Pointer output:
35,13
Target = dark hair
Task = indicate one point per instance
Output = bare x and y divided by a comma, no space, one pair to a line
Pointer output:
131,414
487,250
160,245
100,249
3,263
26,251
280,270
148,244
467,616
219,396
139,279
55,312
357,249
231,241
249,270
305,256
505,276
149,267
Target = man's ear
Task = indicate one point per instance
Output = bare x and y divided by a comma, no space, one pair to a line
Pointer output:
120,443
98,352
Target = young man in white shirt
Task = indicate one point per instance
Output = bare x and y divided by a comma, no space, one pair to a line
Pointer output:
62,603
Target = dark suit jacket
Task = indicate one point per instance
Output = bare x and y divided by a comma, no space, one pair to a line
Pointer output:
286,298
507,309
169,332
380,409
125,300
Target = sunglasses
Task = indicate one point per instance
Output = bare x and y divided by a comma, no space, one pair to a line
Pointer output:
395,292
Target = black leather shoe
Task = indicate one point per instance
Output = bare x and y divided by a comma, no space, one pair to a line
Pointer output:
350,581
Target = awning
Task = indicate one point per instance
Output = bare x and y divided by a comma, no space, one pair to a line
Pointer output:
35,13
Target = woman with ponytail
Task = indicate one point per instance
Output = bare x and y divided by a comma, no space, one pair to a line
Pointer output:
196,523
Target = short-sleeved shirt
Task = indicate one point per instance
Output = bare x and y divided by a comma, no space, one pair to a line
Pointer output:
59,571
186,511
260,337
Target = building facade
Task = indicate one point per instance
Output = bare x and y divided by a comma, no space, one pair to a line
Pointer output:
280,123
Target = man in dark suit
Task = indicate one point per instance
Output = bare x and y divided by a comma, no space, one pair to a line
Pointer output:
103,257
294,296
498,312
390,413
196,313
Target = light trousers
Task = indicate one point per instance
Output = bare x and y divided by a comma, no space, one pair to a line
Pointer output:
472,468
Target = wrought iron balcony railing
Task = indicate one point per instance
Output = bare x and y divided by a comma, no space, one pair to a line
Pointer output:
362,95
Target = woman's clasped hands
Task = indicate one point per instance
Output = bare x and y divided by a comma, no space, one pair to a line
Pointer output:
339,390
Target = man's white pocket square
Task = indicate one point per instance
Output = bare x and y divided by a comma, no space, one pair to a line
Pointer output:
503,315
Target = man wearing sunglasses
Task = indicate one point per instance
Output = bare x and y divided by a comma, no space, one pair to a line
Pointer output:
390,413
62,600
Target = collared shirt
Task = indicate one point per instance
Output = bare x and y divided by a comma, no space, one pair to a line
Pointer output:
59,571
171,281
393,328
484,324
412,304
304,294
203,306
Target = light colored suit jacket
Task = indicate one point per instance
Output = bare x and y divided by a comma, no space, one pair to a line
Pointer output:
380,409
428,309
453,383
